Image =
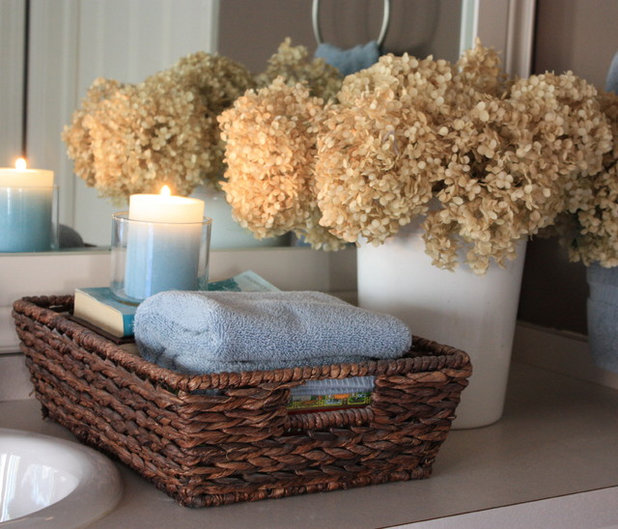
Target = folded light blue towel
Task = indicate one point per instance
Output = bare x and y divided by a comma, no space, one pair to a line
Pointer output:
352,60
210,332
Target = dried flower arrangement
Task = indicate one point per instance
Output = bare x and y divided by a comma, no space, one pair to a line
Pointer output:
486,160
133,138
589,227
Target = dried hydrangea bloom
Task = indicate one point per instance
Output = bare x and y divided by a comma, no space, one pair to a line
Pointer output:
526,152
148,135
294,65
128,139
77,135
594,228
568,134
590,231
144,136
216,80
373,172
421,83
384,150
379,150
270,154
480,69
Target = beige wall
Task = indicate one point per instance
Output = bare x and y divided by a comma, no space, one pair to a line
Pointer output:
577,35
251,30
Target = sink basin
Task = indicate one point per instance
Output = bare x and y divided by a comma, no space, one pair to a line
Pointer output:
52,483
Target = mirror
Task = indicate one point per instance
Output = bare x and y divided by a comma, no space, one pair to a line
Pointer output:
72,42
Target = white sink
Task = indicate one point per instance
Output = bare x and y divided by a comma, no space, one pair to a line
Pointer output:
52,483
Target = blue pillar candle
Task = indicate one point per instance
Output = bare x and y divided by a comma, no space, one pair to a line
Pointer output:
164,244
26,204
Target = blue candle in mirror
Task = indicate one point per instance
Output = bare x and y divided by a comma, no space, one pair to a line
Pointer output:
26,203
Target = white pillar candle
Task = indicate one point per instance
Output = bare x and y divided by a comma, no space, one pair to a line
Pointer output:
165,207
26,199
163,244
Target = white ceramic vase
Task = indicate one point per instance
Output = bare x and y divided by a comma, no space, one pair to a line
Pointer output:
470,312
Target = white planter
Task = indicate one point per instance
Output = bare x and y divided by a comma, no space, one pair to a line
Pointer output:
474,313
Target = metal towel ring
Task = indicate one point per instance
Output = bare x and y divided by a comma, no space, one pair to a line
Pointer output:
315,17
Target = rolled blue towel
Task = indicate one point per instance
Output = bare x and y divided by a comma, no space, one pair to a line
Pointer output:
352,60
211,332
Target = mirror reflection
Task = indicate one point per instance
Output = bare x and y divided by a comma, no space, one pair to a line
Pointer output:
70,44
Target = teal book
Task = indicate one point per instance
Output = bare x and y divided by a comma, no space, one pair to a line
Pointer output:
247,281
99,307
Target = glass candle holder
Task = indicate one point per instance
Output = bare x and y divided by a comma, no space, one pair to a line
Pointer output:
28,218
151,257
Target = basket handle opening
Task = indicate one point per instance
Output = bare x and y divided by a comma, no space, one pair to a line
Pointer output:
321,420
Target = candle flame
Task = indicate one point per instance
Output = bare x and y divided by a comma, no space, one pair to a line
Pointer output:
165,191
20,164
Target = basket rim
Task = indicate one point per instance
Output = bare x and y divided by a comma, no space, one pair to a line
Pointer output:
45,310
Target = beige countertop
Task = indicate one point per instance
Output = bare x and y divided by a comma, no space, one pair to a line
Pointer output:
551,459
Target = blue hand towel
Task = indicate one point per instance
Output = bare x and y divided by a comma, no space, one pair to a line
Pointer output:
352,60
210,332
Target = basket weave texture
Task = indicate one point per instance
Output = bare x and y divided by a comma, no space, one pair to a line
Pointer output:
239,443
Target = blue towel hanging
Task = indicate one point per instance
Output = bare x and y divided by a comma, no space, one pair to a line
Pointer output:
354,59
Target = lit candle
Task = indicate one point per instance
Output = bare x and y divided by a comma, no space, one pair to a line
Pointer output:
163,244
26,198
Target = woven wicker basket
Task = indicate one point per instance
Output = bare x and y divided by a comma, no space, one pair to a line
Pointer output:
239,444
